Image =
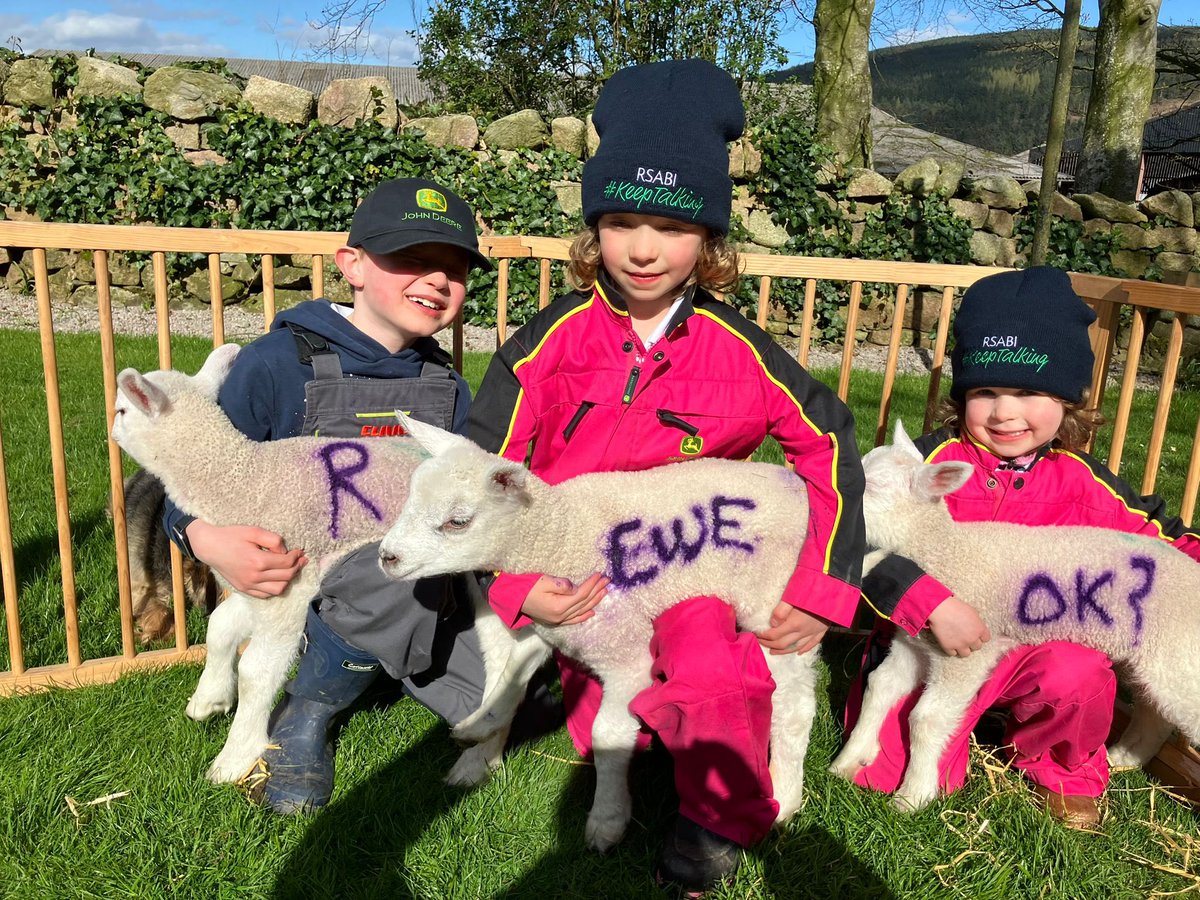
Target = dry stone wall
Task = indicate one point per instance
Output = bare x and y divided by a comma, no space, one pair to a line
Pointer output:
1157,237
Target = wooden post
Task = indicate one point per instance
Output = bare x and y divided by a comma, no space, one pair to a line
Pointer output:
58,455
889,372
108,358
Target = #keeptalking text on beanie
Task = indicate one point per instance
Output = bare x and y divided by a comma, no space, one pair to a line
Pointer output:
1026,329
664,129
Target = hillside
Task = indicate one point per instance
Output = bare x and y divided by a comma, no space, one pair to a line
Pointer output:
989,90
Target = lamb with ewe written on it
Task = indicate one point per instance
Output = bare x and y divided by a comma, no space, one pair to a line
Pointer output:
329,496
662,536
1129,596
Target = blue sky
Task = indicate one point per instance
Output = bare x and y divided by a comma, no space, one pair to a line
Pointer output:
269,29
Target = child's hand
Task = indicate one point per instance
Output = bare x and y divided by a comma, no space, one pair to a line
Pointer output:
555,601
253,560
957,627
792,630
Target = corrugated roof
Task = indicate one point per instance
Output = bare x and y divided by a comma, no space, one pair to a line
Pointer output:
1177,132
899,145
312,76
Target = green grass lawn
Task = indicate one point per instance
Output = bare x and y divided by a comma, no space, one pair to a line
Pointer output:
393,829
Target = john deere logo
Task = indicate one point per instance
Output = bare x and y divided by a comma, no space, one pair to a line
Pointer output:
427,198
690,446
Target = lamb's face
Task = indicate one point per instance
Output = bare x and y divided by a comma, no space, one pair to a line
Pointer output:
888,489
144,402
461,506
903,494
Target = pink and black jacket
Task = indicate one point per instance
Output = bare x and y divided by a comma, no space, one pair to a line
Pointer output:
575,391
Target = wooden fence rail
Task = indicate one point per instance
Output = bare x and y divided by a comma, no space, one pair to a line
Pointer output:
892,283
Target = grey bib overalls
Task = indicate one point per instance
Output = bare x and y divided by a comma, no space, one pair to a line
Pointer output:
415,629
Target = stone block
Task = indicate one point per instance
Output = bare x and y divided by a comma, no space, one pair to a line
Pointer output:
188,94
570,196
1101,206
1174,206
1000,222
919,179
185,136
522,129
280,101
348,101
745,160
974,213
867,184
998,192
569,135
101,78
30,82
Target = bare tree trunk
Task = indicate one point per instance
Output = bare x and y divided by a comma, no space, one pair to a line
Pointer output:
1068,41
842,78
1122,81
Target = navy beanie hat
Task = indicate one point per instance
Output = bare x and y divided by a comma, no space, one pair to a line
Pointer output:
663,131
1025,329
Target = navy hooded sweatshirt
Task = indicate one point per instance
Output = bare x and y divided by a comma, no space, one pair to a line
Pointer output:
264,392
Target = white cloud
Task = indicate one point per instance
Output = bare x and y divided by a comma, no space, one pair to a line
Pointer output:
109,32
386,46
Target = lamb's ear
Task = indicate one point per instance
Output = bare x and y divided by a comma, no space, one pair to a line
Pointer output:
143,394
901,439
212,374
939,479
435,441
508,479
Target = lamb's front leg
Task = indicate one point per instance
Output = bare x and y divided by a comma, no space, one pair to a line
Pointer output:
261,673
229,625
793,709
953,682
1143,737
614,739
900,673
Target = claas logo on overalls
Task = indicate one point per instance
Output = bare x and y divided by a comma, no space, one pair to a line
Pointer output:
427,198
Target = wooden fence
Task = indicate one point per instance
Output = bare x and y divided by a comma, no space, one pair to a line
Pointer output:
1115,300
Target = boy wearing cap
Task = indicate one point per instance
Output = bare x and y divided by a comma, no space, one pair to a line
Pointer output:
1018,412
641,367
342,371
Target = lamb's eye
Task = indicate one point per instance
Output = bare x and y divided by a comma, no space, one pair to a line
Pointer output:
456,523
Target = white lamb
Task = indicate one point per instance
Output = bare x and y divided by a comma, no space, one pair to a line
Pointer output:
662,536
329,496
1128,596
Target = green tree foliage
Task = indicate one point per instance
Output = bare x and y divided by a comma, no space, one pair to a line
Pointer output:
503,55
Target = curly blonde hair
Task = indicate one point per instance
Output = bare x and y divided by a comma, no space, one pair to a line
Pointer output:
717,266
1078,426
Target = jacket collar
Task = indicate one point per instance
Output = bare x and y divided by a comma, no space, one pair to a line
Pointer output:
990,462
610,297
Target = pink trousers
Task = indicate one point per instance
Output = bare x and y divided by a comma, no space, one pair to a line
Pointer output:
710,704
1061,696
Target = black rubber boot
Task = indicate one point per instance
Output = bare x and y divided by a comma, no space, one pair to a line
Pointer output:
695,860
331,676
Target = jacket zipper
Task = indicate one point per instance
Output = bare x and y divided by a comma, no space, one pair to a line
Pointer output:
584,407
631,384
669,418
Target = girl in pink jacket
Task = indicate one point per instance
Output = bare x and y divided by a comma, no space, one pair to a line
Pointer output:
642,367
1022,364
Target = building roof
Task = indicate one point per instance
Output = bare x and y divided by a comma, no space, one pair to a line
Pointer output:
312,76
1174,132
899,145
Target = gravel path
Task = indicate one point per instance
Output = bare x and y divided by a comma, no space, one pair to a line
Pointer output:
242,325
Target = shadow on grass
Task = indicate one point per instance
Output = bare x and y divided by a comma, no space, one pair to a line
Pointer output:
356,846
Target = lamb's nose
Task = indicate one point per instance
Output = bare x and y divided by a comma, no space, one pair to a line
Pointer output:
387,558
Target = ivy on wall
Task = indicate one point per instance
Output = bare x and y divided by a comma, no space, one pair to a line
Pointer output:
120,166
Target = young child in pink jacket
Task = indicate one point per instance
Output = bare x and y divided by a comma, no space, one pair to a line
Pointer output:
642,367
1017,411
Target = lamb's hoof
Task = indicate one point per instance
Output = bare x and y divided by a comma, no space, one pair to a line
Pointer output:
605,832
1125,758
846,769
200,708
475,729
789,805
907,804
471,769
228,768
